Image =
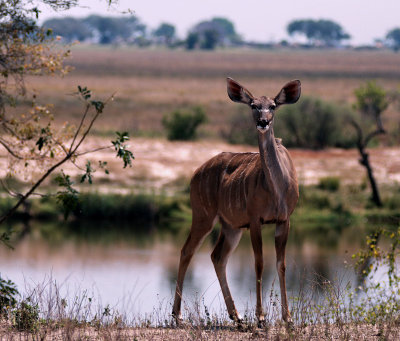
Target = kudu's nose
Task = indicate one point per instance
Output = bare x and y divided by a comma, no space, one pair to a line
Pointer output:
262,123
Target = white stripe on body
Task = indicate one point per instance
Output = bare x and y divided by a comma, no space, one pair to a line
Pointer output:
201,171
241,177
224,173
230,188
208,194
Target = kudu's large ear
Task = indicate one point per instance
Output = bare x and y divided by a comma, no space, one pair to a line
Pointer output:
238,93
289,94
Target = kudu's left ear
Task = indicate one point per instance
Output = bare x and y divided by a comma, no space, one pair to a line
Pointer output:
289,94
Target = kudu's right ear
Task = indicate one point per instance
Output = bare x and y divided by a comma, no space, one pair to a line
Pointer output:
238,93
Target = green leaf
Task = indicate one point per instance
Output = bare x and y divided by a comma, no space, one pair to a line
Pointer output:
122,149
99,106
88,174
68,198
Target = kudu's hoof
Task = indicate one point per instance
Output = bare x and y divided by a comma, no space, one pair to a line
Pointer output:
240,325
261,322
289,325
178,319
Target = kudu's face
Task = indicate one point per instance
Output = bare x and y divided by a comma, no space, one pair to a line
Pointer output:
263,113
263,108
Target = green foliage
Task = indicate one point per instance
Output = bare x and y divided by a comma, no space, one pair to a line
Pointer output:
88,174
8,296
329,183
313,123
241,129
394,37
69,28
380,300
68,198
318,31
141,209
191,41
26,316
374,258
182,124
212,33
122,149
371,99
210,40
106,30
165,33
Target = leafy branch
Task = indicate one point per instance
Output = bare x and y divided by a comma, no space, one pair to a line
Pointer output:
122,149
68,197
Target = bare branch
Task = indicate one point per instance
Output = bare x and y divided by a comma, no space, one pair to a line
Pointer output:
372,135
8,190
33,188
359,133
7,147
80,127
92,151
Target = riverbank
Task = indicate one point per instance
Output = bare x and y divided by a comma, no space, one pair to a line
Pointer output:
350,331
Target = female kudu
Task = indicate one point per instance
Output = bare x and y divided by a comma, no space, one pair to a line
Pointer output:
245,190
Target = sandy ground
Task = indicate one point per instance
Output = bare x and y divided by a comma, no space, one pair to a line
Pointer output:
349,331
160,164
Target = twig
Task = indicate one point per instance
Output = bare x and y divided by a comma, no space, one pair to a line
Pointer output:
80,126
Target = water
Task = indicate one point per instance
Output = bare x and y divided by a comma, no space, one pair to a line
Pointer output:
136,273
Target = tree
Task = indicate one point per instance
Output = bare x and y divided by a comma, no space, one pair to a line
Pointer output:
29,136
325,32
165,33
393,37
69,28
104,30
192,41
371,101
121,29
213,33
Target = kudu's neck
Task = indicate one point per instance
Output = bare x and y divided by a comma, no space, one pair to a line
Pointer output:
270,160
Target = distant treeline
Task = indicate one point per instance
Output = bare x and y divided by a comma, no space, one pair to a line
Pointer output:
207,34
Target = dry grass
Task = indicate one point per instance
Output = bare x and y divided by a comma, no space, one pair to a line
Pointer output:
279,332
151,83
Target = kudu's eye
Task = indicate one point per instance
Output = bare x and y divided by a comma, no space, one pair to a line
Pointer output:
272,107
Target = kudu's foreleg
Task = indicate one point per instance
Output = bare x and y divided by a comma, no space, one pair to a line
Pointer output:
256,241
201,227
281,236
226,244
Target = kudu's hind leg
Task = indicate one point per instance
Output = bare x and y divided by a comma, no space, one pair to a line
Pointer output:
226,244
281,236
201,227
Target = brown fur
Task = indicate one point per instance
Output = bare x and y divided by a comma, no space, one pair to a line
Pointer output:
245,190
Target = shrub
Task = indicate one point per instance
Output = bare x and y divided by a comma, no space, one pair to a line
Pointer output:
329,183
314,123
182,124
8,293
26,316
241,129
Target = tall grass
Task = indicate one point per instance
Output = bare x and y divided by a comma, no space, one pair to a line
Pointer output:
341,312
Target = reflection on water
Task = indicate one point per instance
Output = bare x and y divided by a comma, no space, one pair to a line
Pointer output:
136,272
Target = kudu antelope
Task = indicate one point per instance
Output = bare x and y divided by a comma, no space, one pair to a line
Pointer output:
245,190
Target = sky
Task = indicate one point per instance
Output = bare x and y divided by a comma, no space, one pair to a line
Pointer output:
254,20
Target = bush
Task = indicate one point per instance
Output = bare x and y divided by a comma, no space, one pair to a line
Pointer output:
8,293
315,124
182,124
242,129
329,183
26,316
